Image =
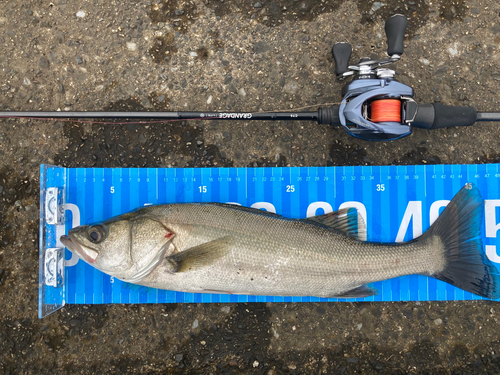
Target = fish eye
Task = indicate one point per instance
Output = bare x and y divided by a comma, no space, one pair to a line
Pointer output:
96,233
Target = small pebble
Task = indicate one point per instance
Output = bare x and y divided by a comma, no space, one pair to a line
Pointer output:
261,47
18,205
227,135
74,322
43,63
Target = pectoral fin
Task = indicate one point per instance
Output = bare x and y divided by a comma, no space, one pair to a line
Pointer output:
346,220
360,292
200,256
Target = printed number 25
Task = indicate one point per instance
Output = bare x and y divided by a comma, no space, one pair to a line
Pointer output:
380,187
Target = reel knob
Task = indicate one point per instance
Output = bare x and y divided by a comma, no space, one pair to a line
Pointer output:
395,28
341,54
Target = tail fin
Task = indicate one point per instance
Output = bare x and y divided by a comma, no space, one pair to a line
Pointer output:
459,230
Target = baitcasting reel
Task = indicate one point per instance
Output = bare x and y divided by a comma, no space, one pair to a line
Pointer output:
377,107
374,106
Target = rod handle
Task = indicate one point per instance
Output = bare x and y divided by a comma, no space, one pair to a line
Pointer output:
437,116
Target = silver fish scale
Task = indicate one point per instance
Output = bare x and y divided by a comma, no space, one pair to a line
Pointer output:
271,255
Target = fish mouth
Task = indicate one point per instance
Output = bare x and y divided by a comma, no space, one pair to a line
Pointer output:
88,255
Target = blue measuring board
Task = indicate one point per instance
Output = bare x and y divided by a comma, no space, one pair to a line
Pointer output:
398,203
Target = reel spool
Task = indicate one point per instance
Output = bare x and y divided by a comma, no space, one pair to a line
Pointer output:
385,110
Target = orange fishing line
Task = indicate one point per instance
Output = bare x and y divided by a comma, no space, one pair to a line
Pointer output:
386,110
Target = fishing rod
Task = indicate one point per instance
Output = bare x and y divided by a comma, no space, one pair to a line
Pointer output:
375,106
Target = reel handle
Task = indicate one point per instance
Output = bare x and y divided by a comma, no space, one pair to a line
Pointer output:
341,54
395,28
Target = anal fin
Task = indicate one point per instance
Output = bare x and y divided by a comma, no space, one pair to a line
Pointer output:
216,291
359,292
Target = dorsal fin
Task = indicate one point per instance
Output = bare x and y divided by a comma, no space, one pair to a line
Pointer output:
346,220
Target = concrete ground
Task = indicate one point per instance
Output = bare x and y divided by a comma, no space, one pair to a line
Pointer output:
229,55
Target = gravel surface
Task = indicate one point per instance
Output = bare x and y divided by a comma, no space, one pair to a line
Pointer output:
229,55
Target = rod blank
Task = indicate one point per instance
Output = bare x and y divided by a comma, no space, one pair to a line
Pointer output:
296,116
488,116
